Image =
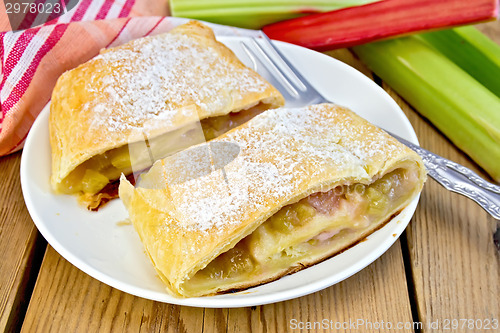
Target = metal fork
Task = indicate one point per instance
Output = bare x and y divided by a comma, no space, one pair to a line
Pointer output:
299,92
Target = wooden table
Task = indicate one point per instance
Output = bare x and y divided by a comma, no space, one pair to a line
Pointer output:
443,267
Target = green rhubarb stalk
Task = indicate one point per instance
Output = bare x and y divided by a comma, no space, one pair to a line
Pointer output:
254,14
463,109
472,51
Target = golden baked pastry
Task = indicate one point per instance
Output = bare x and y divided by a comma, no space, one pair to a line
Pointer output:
306,183
138,102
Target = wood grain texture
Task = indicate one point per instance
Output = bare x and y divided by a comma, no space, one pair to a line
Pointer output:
18,243
454,263
67,300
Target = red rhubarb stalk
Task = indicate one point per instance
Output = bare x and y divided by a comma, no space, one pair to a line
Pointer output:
388,18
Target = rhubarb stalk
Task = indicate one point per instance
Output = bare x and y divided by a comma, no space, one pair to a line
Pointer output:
462,108
379,20
472,51
253,14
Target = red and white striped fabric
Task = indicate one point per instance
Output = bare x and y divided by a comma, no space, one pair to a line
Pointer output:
33,59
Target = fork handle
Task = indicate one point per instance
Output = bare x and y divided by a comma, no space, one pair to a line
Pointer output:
459,179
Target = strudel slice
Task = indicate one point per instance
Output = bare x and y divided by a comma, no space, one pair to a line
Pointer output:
141,101
304,184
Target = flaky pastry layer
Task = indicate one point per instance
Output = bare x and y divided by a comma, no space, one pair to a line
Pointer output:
143,89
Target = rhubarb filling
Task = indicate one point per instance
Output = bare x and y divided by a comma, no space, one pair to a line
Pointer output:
307,229
91,178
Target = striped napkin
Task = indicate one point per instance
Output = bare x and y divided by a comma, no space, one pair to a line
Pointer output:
33,59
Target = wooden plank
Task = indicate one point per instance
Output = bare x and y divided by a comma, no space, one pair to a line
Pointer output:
67,300
491,29
454,263
19,242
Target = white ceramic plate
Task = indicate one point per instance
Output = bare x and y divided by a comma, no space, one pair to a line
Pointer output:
101,245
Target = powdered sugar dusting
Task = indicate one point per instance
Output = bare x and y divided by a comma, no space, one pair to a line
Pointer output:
151,81
282,151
